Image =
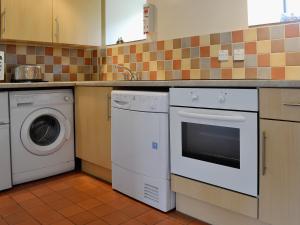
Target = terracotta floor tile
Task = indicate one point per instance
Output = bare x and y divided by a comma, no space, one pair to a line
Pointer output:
102,210
40,191
23,196
135,210
152,217
115,218
83,218
109,196
169,222
180,218
133,222
29,222
2,222
70,211
10,209
53,197
45,215
90,203
60,204
120,203
63,222
57,186
197,222
97,222
31,203
17,218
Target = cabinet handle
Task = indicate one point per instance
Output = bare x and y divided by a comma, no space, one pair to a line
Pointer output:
108,107
57,29
263,153
3,15
292,104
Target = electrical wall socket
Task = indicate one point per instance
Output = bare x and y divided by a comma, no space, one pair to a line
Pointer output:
223,55
239,54
2,65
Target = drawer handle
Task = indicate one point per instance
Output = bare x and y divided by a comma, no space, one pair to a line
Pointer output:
292,104
263,153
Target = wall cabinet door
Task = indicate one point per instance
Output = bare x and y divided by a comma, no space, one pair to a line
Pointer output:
77,22
279,201
29,20
93,125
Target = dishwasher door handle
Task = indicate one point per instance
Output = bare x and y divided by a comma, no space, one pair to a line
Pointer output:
232,118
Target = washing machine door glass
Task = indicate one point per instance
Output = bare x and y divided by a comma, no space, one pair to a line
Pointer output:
44,131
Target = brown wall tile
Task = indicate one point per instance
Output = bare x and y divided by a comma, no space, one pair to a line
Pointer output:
277,46
293,59
215,39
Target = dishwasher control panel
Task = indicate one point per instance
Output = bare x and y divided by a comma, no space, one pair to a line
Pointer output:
141,101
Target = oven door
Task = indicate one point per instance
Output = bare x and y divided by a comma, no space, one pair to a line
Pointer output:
218,147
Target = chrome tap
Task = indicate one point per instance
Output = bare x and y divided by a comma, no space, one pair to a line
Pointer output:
132,75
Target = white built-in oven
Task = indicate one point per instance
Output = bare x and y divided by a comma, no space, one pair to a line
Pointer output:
214,137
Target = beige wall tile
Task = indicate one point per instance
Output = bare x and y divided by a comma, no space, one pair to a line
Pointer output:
292,73
277,59
146,56
238,73
48,77
161,75
30,59
214,50
227,64
204,40
186,64
250,35
263,47
80,76
21,50
58,52
195,74
153,66
168,44
139,48
114,51
177,53
121,59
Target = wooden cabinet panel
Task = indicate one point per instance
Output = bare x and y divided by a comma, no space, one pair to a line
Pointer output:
279,201
216,196
93,129
280,103
29,20
77,22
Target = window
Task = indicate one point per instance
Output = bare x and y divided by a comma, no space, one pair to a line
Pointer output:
124,19
272,11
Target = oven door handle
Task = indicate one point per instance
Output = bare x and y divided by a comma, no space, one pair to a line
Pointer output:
233,118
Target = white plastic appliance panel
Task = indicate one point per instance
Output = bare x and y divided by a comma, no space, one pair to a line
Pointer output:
245,179
144,152
5,171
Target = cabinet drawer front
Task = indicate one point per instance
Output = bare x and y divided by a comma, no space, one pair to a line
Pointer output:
230,200
282,104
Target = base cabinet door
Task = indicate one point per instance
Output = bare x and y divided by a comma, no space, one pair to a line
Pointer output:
92,113
279,201
29,20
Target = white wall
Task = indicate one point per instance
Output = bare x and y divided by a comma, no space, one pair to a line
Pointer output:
181,18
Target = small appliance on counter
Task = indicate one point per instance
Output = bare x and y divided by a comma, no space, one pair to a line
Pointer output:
27,73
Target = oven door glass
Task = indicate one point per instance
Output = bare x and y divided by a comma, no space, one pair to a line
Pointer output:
214,144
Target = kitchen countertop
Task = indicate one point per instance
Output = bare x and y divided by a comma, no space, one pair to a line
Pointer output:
174,83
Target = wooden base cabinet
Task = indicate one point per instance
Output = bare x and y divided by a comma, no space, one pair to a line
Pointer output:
93,126
279,201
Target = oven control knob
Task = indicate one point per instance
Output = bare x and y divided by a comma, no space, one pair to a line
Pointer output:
222,99
195,97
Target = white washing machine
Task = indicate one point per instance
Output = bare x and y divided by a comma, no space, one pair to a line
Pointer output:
42,134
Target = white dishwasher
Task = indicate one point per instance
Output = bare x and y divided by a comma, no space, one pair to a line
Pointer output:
5,160
140,147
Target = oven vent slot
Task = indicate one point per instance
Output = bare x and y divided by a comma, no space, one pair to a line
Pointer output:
151,193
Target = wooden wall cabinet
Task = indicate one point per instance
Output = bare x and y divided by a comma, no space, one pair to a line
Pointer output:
279,201
93,127
29,20
77,22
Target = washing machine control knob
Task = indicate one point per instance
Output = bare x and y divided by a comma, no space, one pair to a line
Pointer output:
67,98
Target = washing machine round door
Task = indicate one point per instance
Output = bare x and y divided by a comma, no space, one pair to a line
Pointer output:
44,131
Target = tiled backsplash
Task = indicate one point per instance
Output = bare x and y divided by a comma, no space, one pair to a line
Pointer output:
271,52
57,63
